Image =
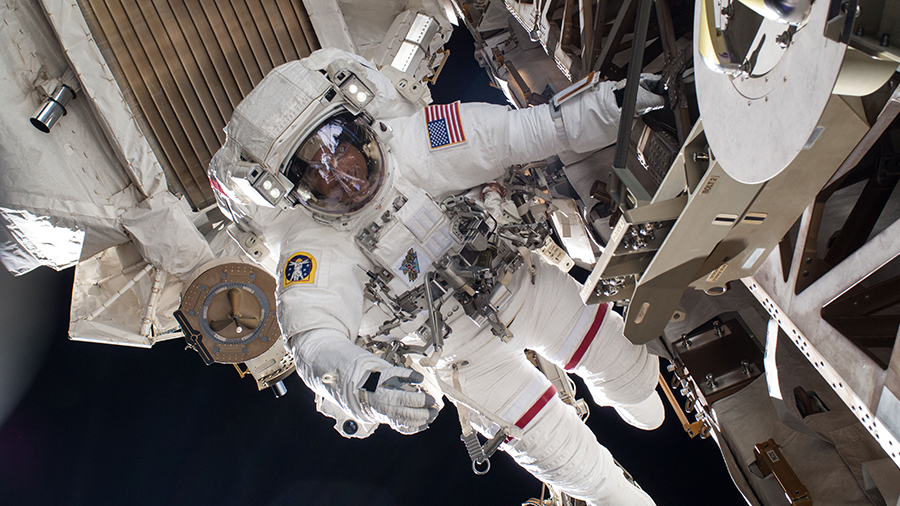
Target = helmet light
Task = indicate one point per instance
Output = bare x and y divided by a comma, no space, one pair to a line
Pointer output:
261,186
352,88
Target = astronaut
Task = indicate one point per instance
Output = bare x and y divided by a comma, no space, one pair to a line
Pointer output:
329,164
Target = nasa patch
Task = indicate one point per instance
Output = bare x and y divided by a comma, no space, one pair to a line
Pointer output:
299,269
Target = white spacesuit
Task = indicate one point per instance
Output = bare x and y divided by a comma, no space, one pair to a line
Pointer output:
332,136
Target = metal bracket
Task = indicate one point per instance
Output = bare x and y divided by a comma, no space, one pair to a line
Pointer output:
771,461
193,337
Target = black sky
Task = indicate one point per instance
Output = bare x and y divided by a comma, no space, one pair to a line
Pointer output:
112,425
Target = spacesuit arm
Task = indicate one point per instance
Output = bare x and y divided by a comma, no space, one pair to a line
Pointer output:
365,386
493,137
591,119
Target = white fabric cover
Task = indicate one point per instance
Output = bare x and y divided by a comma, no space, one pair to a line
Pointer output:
29,241
13,256
70,175
100,87
99,278
87,176
166,237
325,312
329,23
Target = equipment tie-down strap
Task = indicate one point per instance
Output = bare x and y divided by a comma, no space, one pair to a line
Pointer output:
479,454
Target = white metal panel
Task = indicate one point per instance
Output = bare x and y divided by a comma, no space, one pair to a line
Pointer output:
328,21
100,87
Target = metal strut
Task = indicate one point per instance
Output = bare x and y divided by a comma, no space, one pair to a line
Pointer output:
620,174
435,320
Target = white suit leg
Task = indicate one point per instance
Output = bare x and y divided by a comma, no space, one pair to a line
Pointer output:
619,373
556,447
589,341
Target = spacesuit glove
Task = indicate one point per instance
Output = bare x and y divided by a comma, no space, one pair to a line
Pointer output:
391,396
362,384
647,97
591,119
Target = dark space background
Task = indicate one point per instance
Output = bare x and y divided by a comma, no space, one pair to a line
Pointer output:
91,424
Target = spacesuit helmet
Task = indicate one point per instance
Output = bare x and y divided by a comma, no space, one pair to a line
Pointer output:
306,137
338,168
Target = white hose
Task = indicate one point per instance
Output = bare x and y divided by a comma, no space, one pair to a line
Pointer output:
119,293
150,310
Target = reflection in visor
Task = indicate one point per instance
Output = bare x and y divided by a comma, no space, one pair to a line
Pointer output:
338,168
339,173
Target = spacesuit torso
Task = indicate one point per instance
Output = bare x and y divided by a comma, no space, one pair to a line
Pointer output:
408,237
403,243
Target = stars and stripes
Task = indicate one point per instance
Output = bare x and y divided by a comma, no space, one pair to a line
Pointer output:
444,125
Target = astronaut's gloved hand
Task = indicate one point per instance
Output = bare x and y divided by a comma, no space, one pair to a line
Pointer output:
391,396
363,385
591,120
648,97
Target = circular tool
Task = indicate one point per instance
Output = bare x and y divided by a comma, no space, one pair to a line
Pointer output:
230,309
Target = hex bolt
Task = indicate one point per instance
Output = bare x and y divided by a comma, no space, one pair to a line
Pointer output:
784,39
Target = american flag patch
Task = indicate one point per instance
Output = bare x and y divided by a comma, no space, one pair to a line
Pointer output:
444,125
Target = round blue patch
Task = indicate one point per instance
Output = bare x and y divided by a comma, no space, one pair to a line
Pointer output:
300,268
